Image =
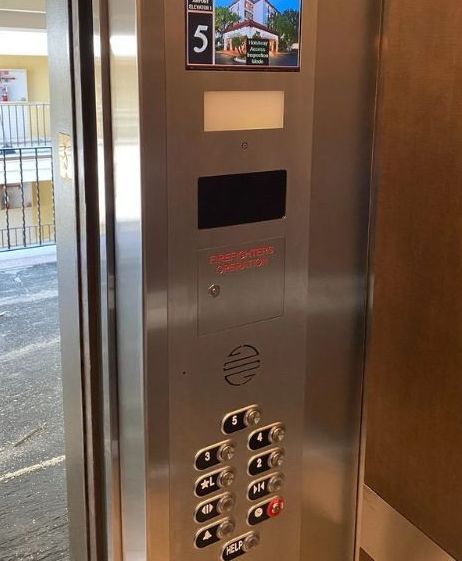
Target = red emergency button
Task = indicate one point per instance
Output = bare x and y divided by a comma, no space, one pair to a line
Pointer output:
275,507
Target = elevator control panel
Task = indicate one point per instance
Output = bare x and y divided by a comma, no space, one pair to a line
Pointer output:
209,514
237,148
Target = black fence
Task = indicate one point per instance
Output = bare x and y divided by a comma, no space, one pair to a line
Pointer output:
24,124
27,198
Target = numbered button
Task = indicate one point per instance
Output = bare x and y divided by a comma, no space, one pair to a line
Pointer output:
214,481
221,505
264,511
265,486
273,434
239,420
212,534
264,462
216,454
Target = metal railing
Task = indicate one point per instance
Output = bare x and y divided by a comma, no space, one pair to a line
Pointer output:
24,124
27,209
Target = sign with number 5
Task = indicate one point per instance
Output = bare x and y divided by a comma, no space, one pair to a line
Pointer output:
243,34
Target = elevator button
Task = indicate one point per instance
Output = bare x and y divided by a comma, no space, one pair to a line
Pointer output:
265,511
264,462
226,478
273,434
225,529
275,483
212,534
216,454
275,507
276,458
239,420
252,417
226,452
212,482
262,487
220,505
226,503
277,434
239,546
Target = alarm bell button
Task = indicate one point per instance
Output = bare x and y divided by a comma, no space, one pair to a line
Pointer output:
225,529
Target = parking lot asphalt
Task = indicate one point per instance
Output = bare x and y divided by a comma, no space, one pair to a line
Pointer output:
33,507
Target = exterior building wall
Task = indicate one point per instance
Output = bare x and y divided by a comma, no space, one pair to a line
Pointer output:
37,74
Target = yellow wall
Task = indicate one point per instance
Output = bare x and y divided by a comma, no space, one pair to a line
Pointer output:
37,74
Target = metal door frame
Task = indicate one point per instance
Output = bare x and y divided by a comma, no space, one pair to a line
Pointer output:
85,313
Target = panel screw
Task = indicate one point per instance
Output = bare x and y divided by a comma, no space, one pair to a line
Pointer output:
244,145
214,290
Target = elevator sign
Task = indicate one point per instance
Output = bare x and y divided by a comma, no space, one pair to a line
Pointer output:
243,34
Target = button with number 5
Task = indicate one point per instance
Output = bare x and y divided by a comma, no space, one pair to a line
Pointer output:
239,420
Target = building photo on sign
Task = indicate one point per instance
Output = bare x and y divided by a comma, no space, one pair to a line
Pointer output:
244,34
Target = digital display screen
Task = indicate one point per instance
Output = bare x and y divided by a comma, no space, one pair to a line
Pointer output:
245,198
243,34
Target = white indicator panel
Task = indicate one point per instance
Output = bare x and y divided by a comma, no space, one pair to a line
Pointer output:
243,110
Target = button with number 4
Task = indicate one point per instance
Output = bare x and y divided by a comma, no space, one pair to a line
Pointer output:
272,434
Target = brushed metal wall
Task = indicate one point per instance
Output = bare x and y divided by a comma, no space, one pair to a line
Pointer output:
414,452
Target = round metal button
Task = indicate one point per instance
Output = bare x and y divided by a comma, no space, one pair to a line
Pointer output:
253,417
277,434
276,459
226,478
251,542
275,483
226,452
225,529
226,504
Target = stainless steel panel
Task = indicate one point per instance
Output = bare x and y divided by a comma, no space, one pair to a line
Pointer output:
388,536
62,119
174,392
346,70
249,279
129,279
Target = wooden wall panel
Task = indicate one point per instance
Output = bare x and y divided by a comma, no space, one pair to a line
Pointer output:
414,444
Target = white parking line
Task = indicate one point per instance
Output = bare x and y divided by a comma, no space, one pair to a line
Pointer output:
27,470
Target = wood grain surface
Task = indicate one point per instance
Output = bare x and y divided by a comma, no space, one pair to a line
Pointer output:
414,446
